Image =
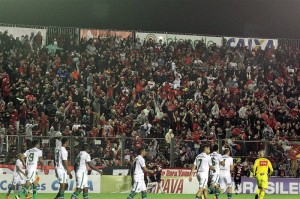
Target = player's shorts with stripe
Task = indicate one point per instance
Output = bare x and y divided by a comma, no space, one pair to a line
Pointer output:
31,175
225,180
62,176
82,180
138,184
215,177
18,179
203,179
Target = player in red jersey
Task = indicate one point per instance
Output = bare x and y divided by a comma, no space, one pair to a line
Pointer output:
156,177
238,173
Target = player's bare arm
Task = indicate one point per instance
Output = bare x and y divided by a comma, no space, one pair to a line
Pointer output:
222,163
41,163
231,168
92,166
145,169
270,169
19,170
66,166
22,158
192,172
212,168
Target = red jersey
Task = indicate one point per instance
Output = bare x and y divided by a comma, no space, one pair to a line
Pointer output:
238,170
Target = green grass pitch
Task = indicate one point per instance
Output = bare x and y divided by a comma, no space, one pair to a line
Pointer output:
159,196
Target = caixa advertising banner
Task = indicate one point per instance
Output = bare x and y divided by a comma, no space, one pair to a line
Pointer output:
169,38
50,184
251,43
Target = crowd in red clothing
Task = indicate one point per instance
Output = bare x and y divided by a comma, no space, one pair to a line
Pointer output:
115,88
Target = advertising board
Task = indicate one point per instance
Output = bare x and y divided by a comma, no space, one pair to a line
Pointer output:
22,32
169,38
251,43
50,184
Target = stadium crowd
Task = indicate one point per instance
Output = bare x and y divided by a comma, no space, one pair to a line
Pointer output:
148,92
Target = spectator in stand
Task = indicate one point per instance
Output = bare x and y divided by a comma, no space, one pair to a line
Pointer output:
28,131
2,134
169,136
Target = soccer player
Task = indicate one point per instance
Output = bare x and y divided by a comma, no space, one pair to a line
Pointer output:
238,172
216,160
18,176
62,170
225,173
262,169
203,163
33,156
139,167
156,177
82,160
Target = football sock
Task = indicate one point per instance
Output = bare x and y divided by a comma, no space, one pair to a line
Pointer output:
144,195
217,193
229,195
86,195
261,195
236,187
11,187
160,188
23,191
61,194
210,189
131,195
257,191
74,195
34,191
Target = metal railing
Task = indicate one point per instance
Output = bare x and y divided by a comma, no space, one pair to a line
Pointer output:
121,150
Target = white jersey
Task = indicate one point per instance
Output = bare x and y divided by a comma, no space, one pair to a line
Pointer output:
82,159
228,161
216,159
203,162
32,158
21,166
61,154
139,163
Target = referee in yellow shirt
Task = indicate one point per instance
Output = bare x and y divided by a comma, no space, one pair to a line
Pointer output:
262,169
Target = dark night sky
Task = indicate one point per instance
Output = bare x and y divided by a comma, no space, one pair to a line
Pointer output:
253,18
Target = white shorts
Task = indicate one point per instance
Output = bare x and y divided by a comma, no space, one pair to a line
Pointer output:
203,179
62,176
215,178
31,175
18,179
225,180
138,184
81,180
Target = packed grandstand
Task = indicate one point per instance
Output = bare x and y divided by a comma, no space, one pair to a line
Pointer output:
119,91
